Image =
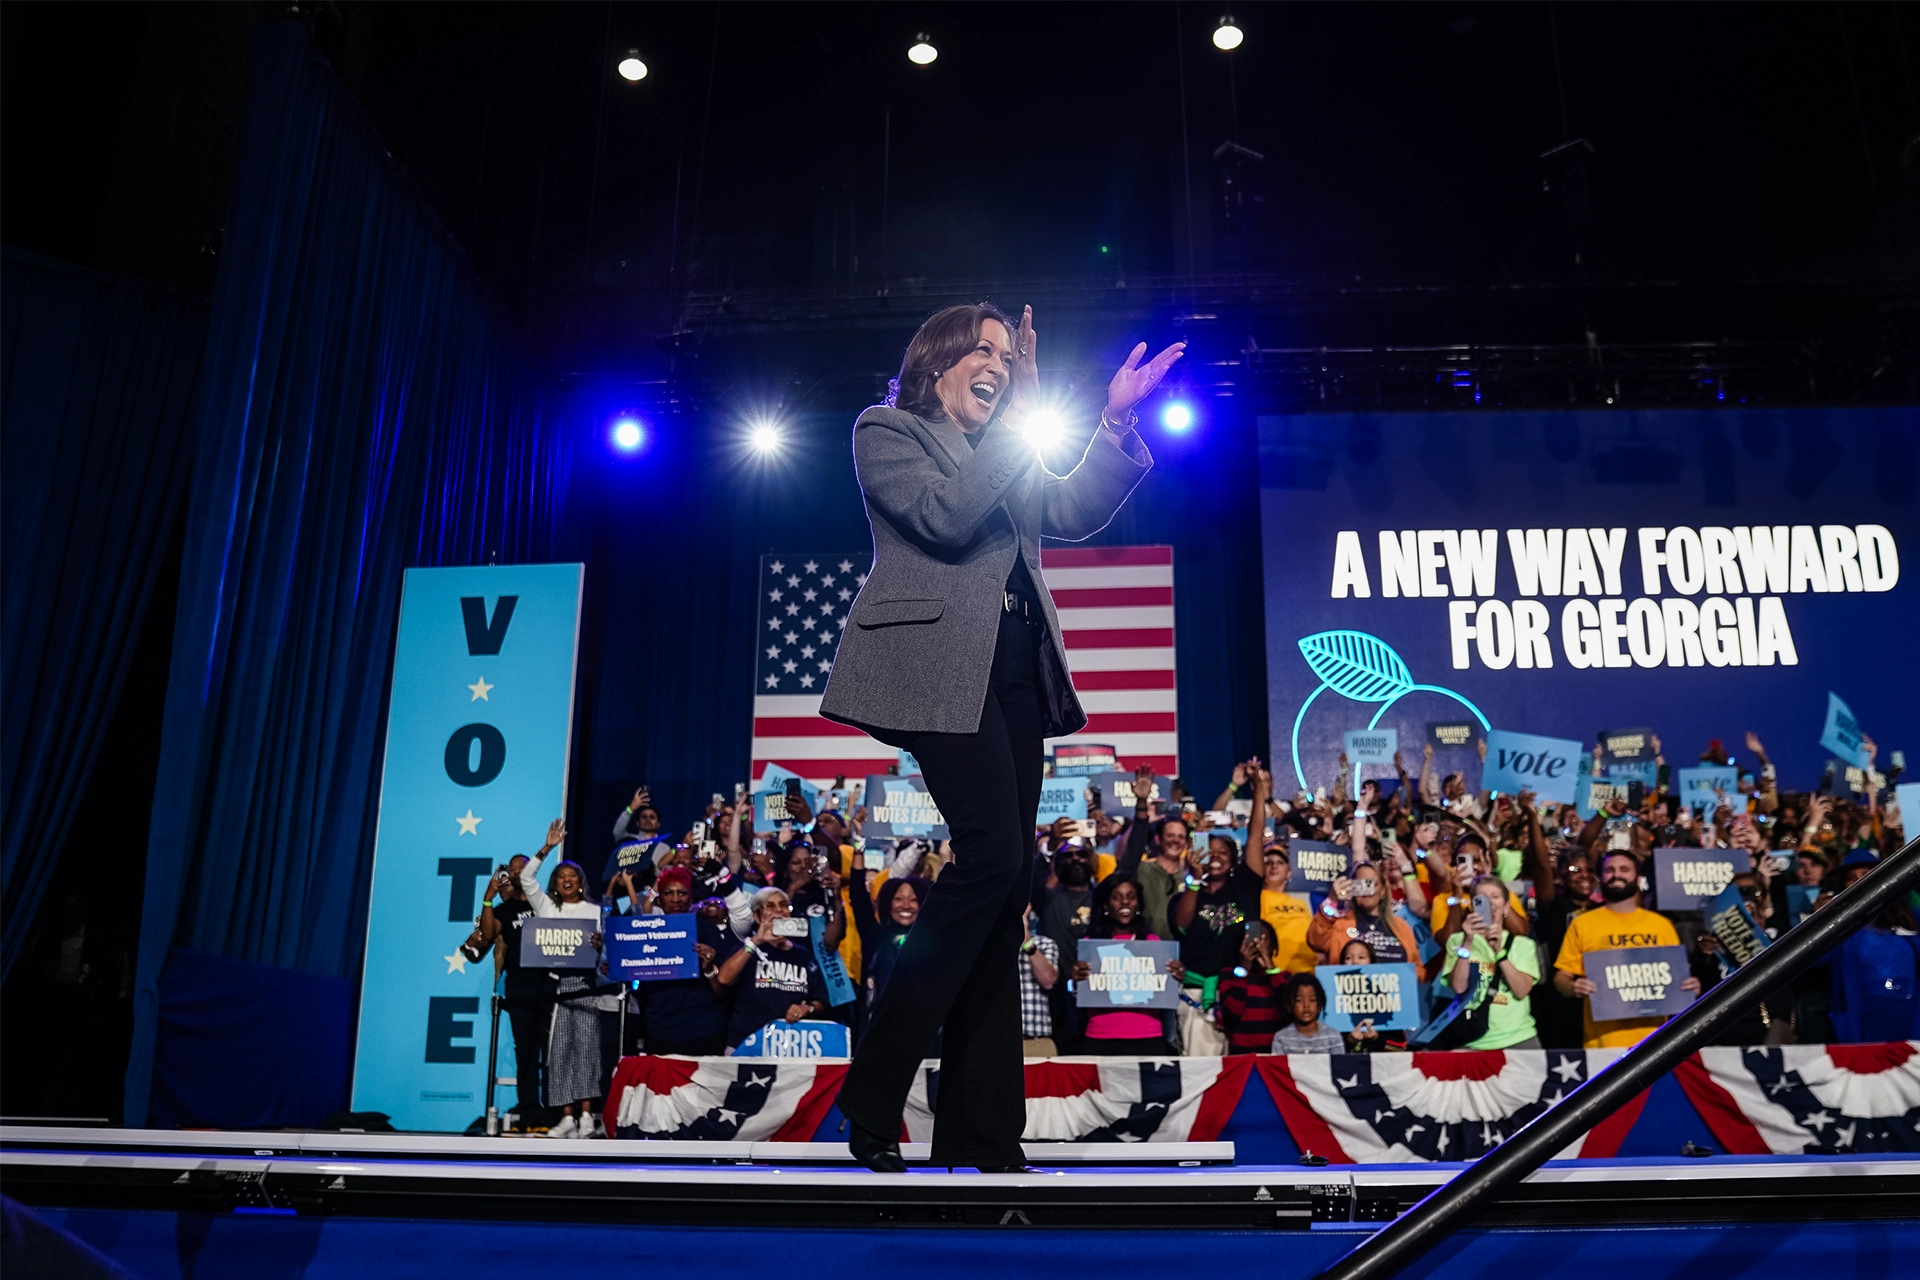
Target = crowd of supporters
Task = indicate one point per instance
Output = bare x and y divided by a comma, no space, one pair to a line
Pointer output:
1497,902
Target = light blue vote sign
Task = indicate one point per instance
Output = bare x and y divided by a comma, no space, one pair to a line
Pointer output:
478,728
1518,762
1387,995
1701,788
1842,734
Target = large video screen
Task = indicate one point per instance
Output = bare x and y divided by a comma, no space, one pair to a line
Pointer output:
1701,574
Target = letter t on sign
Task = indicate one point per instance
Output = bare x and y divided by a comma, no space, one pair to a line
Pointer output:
461,873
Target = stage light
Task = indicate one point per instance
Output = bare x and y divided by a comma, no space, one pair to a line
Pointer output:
631,68
1045,428
763,438
627,434
1228,35
1176,417
922,51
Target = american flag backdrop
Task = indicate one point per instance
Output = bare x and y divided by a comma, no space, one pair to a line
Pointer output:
1115,606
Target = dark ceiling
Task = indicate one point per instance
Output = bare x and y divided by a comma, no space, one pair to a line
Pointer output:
1425,173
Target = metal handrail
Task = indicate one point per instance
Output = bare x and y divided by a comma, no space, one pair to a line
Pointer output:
1470,1193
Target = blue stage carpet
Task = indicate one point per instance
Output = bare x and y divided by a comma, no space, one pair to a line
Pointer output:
163,1246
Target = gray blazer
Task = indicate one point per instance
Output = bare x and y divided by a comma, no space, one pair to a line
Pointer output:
948,520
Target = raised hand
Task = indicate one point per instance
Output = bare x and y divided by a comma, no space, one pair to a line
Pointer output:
556,832
1026,363
1134,381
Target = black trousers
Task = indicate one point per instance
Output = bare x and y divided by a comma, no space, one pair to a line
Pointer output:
528,1008
959,965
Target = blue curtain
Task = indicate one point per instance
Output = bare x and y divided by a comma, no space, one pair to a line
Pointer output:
99,377
365,407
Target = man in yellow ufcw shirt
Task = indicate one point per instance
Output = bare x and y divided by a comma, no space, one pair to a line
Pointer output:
1619,922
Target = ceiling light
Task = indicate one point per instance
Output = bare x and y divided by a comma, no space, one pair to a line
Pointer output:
1227,36
922,51
631,68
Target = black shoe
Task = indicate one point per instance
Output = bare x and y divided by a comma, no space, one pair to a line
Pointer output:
882,1155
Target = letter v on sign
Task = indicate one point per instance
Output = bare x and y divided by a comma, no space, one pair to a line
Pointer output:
484,638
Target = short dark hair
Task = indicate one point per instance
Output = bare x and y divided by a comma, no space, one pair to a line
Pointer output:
948,334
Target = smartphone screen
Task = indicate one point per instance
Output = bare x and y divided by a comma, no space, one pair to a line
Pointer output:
1483,908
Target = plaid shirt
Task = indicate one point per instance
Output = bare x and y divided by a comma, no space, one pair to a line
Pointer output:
1036,1014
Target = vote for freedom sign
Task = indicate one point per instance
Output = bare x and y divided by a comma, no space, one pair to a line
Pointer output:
1387,995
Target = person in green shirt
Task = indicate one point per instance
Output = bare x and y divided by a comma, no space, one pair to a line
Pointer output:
1508,964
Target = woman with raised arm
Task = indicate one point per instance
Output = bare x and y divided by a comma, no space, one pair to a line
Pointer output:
952,650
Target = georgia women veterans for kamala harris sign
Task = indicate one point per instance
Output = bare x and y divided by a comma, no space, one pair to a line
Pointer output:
478,727
1702,573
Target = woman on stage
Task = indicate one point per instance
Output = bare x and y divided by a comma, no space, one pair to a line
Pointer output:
953,652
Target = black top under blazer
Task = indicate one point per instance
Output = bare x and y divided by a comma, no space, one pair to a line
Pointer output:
948,521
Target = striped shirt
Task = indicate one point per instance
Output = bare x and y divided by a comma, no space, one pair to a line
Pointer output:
1250,1010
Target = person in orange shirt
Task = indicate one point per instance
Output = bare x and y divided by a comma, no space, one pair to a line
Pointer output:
1354,911
1620,921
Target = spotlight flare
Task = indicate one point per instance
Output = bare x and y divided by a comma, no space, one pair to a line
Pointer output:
631,68
1227,36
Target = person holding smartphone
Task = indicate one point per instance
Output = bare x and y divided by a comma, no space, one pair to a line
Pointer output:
1507,966
774,975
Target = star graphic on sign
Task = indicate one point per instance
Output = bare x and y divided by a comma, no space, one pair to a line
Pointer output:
777,567
726,1116
773,651
755,1079
1817,1121
826,665
773,682
773,624
845,594
826,610
792,609
774,594
807,651
480,690
806,624
456,963
812,565
793,579
791,637
1567,1069
862,579
846,566
841,622
806,682
790,666
826,579
810,594
469,825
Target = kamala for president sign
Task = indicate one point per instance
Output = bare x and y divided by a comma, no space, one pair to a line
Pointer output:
1678,572
478,728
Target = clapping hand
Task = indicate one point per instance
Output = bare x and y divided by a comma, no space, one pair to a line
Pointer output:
1135,381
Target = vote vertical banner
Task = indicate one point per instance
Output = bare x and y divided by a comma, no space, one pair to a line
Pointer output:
478,729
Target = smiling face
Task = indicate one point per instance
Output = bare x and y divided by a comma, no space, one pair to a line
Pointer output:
567,886
972,389
1275,868
906,906
1123,905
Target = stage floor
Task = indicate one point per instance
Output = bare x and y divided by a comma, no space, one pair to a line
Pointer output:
1167,1186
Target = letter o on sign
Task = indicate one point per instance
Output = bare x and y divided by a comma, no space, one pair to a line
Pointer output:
493,755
